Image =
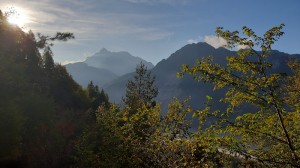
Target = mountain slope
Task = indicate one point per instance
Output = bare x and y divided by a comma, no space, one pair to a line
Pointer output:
104,66
165,71
119,63
170,85
83,74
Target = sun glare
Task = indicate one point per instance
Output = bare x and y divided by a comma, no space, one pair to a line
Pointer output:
16,16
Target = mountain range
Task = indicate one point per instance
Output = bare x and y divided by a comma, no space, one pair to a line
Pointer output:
169,85
104,66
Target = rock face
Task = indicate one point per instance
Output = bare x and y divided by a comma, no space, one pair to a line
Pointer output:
104,66
119,63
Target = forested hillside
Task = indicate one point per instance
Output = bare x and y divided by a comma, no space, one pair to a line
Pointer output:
43,110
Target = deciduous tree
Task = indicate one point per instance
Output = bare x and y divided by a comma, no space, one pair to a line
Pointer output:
269,133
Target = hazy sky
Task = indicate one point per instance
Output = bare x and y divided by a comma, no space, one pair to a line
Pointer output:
153,29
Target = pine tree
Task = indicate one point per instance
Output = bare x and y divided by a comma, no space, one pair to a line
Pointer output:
98,98
48,62
141,90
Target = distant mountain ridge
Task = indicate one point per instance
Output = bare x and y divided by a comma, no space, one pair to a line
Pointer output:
170,85
83,74
165,71
104,66
119,63
166,74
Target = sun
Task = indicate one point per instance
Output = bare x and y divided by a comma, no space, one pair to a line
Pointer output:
16,16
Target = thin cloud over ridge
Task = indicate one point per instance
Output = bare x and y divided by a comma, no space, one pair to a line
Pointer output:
215,41
196,40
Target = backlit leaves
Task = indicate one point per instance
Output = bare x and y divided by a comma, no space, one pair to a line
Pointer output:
265,131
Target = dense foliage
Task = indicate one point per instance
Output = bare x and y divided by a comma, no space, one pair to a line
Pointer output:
138,136
42,109
267,131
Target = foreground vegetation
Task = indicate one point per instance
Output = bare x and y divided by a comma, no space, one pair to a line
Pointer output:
48,120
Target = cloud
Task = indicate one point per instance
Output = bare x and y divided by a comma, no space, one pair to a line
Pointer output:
69,62
157,36
193,41
92,20
239,47
85,55
215,41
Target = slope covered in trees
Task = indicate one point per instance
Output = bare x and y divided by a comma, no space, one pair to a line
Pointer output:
42,109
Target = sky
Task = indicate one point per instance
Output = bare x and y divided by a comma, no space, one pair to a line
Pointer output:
152,29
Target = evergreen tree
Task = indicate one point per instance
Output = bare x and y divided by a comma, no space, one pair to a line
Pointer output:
48,62
103,98
97,98
141,90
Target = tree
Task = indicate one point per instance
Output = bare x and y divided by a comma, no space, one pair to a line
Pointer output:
103,144
139,97
97,97
48,62
268,135
141,90
104,99
41,106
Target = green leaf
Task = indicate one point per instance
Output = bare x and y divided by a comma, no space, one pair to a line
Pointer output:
208,97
